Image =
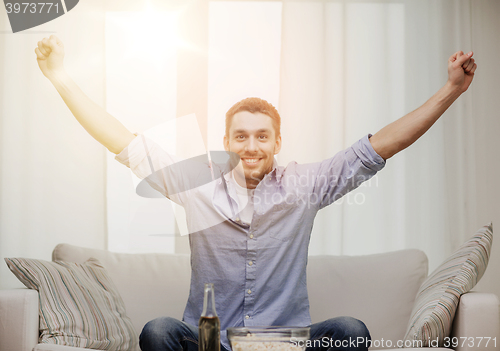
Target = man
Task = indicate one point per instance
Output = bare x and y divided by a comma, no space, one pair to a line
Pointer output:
250,227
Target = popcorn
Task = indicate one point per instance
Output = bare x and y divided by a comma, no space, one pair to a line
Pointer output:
270,344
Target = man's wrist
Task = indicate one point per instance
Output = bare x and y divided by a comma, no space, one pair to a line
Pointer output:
57,75
60,80
452,90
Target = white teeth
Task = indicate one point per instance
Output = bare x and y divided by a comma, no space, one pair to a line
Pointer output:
251,160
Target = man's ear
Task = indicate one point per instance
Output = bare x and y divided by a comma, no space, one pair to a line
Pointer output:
226,143
277,147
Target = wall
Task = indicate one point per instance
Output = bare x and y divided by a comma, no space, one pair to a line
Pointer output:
486,111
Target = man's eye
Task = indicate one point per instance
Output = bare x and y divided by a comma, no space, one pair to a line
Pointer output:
263,136
240,137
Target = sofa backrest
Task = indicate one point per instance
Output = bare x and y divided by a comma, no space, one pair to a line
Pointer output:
377,289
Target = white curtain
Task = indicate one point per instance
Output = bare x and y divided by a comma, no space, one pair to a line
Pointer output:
345,69
52,174
348,69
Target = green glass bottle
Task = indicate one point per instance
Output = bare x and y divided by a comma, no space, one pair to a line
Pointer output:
209,324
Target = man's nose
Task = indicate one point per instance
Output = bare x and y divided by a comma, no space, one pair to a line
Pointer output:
251,145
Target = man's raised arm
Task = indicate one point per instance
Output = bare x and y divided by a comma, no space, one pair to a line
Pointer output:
97,122
405,131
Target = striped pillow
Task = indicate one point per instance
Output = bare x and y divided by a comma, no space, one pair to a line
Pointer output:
438,297
79,304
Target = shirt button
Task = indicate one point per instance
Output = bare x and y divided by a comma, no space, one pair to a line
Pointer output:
249,291
237,219
250,263
251,236
247,317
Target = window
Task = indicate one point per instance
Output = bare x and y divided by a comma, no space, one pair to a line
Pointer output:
141,79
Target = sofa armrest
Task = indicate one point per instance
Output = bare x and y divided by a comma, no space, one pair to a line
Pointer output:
477,317
19,319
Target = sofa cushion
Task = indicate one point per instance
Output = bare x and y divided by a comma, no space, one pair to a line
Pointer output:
45,347
151,285
79,304
438,297
377,289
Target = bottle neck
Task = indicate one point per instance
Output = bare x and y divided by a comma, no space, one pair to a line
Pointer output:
209,302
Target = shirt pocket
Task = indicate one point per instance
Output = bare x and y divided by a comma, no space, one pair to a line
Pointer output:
284,219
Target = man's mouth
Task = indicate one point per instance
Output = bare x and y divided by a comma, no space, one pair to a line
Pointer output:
251,161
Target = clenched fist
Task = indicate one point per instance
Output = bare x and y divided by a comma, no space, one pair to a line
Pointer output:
461,68
50,55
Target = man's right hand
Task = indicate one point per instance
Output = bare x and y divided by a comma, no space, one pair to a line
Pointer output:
50,55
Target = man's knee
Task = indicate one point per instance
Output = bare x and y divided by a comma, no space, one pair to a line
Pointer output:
349,333
354,328
160,325
158,329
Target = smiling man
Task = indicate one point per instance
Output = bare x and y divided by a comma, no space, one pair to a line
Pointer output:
250,227
255,137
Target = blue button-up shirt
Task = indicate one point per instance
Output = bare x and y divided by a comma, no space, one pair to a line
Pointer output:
258,269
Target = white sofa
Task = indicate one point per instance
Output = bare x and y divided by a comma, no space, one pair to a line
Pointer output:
377,289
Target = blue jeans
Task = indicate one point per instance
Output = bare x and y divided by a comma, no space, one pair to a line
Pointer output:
340,333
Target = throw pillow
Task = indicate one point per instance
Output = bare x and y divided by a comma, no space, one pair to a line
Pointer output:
438,297
79,304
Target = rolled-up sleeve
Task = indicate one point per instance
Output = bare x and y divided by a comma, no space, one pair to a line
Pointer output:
347,170
364,150
147,160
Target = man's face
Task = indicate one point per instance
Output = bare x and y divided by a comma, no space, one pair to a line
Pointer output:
253,138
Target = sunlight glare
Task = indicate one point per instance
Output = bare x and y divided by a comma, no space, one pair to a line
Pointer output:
151,36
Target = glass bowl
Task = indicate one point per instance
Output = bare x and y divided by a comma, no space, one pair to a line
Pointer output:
268,338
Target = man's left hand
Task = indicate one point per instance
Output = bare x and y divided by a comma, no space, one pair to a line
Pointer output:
461,68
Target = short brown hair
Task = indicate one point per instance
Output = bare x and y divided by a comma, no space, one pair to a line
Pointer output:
253,105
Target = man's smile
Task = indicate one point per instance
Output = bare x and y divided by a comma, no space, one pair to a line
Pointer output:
251,161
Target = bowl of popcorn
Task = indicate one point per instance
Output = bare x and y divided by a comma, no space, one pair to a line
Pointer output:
268,338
